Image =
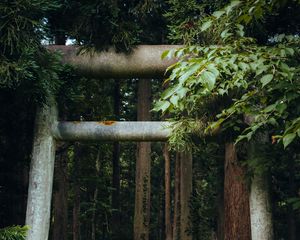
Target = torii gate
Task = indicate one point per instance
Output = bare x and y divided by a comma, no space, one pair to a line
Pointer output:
145,61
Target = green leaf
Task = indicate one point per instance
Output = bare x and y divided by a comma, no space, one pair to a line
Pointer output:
182,92
191,70
243,66
270,108
174,100
206,25
232,5
287,139
169,92
281,107
165,54
168,54
161,106
273,121
218,14
266,79
298,132
226,33
209,79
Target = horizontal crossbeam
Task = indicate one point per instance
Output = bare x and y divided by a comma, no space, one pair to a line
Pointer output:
144,61
112,131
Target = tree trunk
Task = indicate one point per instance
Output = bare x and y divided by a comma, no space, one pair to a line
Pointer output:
76,213
176,217
115,200
260,206
168,224
41,174
292,233
95,197
76,207
236,198
186,173
60,224
220,220
143,163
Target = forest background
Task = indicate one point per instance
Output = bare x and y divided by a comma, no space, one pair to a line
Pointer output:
252,46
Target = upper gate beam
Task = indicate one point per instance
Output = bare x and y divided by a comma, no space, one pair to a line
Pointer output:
144,61
112,131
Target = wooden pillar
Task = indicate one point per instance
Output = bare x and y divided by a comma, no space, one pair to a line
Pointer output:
41,174
143,167
260,203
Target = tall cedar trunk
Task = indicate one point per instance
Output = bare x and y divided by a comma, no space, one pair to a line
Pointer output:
168,224
220,209
292,233
160,221
115,200
76,206
236,198
186,173
60,199
143,163
95,197
176,217
260,205
220,204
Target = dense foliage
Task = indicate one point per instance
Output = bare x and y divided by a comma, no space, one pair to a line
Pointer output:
262,81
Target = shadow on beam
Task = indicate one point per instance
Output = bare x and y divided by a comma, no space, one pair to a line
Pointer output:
144,61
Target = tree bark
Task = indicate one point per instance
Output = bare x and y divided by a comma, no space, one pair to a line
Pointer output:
143,163
186,173
168,223
95,197
41,174
260,205
176,217
220,220
292,191
60,199
115,200
76,206
236,198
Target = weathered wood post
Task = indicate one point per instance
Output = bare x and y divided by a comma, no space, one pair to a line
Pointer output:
41,173
260,208
259,200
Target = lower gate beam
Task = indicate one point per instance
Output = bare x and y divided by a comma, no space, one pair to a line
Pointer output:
112,131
